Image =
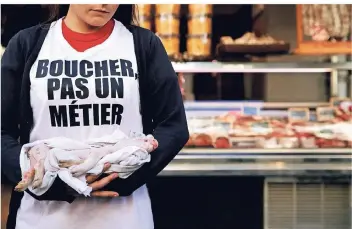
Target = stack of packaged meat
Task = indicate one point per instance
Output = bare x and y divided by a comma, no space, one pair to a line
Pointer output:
327,127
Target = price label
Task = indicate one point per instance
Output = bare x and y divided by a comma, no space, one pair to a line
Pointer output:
298,115
325,113
263,124
251,110
336,102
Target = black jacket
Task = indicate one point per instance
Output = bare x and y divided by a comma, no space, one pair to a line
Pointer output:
162,109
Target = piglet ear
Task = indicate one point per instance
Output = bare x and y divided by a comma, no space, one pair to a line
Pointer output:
156,144
153,144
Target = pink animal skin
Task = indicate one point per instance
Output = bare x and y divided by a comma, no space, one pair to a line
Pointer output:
34,176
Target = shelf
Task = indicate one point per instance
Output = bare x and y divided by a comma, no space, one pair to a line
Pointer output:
205,151
208,105
283,105
261,162
267,170
267,67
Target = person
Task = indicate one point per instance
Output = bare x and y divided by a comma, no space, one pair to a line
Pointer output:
82,76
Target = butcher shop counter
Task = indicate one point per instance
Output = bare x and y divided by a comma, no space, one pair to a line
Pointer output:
264,162
214,120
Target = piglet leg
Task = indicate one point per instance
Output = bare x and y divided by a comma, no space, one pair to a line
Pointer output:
26,181
36,155
39,174
93,158
69,163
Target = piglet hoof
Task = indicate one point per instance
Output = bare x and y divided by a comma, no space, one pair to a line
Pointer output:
37,182
21,186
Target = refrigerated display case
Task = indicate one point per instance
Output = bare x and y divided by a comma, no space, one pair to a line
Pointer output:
258,139
305,185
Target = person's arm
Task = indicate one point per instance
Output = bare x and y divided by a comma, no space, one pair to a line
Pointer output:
12,67
169,120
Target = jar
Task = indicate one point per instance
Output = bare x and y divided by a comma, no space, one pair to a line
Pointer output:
145,22
199,45
144,9
171,43
200,24
167,9
200,9
167,24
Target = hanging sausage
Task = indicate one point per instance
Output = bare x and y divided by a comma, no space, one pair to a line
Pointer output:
144,15
323,22
324,29
199,32
167,27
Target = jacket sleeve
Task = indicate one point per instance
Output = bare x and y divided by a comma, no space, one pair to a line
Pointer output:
12,67
169,120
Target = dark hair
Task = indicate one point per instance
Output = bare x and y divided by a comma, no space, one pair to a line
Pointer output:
127,14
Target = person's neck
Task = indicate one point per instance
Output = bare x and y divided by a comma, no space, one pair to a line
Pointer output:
77,25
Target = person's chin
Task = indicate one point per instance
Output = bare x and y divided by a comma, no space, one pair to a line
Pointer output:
98,21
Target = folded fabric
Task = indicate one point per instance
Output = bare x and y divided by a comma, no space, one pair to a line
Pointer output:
71,160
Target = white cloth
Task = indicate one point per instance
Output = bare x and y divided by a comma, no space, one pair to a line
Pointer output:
128,154
2,50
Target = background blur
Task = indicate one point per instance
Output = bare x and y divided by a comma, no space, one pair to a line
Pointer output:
255,79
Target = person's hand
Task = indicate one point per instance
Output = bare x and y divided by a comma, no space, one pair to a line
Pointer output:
96,184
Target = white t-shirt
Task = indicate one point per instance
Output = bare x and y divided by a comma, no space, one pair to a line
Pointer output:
84,95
